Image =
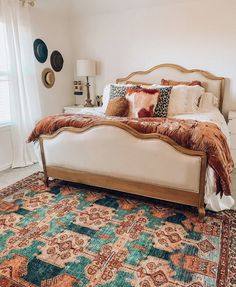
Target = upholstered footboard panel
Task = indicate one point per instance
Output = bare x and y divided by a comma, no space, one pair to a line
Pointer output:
103,154
111,151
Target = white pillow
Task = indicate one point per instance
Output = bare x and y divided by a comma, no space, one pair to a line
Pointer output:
184,99
208,101
106,97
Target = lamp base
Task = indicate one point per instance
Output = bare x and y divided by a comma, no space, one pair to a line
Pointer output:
88,103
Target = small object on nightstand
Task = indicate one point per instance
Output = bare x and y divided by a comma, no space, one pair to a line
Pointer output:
232,130
78,88
99,101
78,91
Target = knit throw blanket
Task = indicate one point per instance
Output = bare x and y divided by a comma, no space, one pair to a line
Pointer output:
191,134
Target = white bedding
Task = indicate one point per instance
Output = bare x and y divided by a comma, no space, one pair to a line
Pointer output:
213,201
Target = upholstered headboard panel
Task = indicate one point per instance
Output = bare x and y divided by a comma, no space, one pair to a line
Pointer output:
174,72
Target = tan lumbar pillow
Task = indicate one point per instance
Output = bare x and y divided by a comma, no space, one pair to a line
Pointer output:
118,106
177,83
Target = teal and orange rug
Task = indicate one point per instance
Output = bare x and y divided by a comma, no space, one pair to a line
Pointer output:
70,235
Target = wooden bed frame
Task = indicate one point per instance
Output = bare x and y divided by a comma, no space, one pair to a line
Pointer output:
136,187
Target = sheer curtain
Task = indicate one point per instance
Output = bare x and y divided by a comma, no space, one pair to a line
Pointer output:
24,97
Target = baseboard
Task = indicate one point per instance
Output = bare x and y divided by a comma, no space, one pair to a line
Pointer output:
5,166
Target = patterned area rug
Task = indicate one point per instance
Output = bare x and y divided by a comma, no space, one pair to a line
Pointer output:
70,235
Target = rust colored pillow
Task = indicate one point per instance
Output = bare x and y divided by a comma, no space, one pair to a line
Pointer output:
176,83
118,106
139,84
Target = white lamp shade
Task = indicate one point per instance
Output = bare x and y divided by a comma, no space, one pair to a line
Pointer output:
85,68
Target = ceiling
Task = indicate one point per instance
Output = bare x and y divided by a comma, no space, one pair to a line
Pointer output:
92,7
86,7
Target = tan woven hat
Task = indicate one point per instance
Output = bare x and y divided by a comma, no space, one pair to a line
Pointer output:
48,77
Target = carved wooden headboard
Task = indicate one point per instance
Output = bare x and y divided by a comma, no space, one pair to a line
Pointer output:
214,84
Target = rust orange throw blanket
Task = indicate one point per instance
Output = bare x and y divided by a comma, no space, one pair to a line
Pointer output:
200,136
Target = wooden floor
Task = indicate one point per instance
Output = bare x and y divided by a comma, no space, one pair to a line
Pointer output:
10,176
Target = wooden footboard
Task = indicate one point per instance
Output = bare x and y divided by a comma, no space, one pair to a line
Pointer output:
126,160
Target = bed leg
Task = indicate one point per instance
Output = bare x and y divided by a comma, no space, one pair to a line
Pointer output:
46,181
201,213
201,205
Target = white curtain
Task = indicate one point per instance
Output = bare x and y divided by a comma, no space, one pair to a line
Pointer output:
24,96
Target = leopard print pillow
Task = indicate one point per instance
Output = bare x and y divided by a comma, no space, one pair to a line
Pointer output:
120,90
161,109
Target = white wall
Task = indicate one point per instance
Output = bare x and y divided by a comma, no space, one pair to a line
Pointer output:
51,22
5,148
129,35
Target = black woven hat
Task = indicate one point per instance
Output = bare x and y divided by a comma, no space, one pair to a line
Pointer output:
57,61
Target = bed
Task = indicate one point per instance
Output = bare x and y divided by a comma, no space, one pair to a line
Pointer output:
113,155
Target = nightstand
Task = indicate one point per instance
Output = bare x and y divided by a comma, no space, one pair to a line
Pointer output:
73,109
84,110
232,130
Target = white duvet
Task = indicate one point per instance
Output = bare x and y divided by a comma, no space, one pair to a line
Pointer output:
213,201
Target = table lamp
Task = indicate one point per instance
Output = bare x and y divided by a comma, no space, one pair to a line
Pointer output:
86,68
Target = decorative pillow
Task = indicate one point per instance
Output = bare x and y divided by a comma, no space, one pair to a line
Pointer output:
113,90
176,83
120,90
208,101
142,102
184,99
140,84
161,109
118,106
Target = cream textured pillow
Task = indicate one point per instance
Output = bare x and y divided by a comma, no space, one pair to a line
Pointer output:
208,101
184,99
